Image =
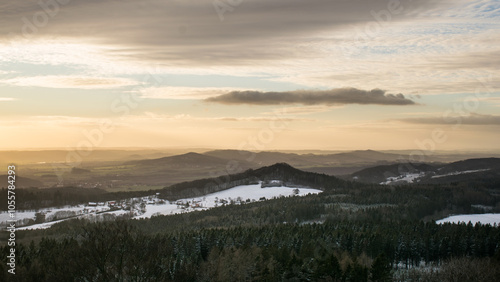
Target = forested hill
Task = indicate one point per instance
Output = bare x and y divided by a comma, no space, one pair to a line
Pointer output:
289,175
184,160
485,171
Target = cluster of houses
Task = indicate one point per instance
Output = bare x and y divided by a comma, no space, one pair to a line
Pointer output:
271,183
128,203
237,201
198,203
189,204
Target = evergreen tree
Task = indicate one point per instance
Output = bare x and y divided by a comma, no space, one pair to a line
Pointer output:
381,269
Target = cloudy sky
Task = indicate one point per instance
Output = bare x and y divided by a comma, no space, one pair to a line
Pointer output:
250,74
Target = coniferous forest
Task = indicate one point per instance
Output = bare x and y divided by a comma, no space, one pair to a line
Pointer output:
350,232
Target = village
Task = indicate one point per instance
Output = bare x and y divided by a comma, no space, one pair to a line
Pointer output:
153,205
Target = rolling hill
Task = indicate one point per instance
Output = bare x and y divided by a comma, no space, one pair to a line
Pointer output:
21,182
283,172
191,160
484,169
378,174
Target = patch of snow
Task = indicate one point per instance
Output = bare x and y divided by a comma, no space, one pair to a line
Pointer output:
406,177
50,214
460,172
164,209
44,225
487,218
20,215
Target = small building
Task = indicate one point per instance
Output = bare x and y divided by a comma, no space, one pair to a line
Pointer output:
271,183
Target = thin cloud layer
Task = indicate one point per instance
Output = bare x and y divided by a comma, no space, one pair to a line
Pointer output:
78,82
339,96
6,99
472,119
194,31
173,92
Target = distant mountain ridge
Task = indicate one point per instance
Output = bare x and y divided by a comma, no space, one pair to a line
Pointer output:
21,182
482,169
185,160
137,169
267,158
367,156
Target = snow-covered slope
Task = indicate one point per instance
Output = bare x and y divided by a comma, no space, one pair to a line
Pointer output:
236,195
460,172
147,207
486,169
407,178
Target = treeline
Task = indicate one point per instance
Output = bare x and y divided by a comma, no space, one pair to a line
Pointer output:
369,204
34,198
344,251
363,204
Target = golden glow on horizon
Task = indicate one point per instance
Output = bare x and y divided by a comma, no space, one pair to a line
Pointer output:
273,134
436,66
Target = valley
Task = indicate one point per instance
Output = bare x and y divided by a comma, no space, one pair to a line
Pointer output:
148,206
142,170
290,221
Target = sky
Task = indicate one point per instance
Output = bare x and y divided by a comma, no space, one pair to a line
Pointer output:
250,74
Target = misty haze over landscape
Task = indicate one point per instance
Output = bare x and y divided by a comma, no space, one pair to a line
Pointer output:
250,140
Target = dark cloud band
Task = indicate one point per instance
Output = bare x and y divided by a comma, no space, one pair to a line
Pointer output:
191,31
340,96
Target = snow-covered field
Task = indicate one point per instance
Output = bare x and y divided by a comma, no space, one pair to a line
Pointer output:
147,207
487,218
44,225
90,216
236,195
52,214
